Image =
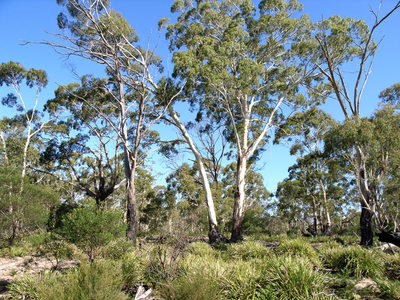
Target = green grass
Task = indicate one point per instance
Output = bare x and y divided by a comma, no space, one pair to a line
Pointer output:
354,261
294,269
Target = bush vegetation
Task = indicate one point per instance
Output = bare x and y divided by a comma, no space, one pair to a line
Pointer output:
294,269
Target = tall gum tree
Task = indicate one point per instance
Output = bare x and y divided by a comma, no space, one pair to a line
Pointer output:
244,66
213,233
90,29
26,124
84,150
339,41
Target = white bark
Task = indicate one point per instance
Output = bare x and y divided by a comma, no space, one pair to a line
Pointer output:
203,174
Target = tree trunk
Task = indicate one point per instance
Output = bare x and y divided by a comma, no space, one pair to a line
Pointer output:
366,200
328,222
131,213
214,235
315,219
14,228
366,226
238,208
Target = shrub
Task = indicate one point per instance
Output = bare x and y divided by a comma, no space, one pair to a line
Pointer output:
90,228
240,279
389,289
353,261
166,259
31,287
57,248
23,205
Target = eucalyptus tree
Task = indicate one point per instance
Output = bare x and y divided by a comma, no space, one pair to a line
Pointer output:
312,171
378,137
391,95
92,30
244,66
203,164
339,41
205,138
24,204
18,134
186,186
28,117
84,150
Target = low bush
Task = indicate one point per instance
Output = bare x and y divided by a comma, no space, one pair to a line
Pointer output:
196,286
133,266
202,249
389,289
166,261
58,249
90,228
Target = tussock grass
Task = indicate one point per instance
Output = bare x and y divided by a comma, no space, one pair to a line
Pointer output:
354,261
299,248
247,250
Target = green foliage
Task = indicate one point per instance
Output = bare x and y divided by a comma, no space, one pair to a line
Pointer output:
14,73
98,280
89,228
389,289
353,261
196,286
202,249
117,248
57,248
167,259
24,206
392,266
292,277
133,269
391,94
298,248
248,250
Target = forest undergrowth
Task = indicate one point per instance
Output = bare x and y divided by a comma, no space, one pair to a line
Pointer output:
270,267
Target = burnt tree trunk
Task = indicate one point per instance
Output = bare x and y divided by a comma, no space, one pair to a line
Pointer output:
389,237
367,235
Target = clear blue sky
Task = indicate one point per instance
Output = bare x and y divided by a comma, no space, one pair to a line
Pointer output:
29,20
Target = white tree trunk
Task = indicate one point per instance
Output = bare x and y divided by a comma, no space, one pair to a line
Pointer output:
212,218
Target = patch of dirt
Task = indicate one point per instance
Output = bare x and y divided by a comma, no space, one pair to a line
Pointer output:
16,267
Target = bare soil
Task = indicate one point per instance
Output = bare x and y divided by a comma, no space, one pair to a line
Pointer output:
17,267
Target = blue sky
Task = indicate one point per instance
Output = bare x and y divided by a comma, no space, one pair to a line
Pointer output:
29,20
